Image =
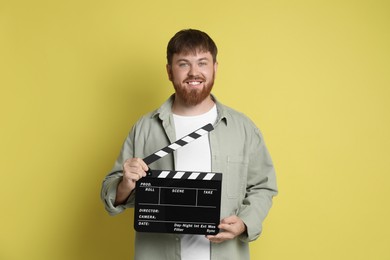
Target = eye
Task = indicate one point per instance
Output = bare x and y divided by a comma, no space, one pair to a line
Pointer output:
183,64
202,63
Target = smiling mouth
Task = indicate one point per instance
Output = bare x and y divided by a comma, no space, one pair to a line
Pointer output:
194,82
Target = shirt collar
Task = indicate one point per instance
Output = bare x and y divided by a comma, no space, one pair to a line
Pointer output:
165,111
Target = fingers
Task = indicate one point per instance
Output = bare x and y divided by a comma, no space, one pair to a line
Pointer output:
134,169
230,228
220,237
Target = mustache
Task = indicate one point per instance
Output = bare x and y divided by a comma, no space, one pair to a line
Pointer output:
195,78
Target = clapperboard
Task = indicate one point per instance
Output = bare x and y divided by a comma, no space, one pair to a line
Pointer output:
177,201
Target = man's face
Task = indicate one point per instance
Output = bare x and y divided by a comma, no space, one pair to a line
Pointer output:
192,76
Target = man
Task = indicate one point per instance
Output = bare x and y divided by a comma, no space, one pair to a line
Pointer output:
235,148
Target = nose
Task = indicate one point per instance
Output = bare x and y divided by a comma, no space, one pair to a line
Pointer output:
193,71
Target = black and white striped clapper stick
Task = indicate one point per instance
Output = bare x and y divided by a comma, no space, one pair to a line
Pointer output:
178,144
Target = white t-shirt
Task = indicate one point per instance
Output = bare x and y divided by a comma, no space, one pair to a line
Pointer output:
195,156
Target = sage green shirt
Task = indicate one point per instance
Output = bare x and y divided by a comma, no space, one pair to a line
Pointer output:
238,152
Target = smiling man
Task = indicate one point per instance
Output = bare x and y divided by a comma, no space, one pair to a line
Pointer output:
235,148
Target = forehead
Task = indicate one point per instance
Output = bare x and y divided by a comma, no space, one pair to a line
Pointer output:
192,55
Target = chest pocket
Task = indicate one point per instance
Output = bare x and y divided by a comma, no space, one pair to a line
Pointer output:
236,174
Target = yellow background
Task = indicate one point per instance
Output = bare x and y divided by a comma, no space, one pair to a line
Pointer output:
313,75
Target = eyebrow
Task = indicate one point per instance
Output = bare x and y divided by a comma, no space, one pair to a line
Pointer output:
186,60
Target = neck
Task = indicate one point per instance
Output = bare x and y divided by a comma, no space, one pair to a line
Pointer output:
182,109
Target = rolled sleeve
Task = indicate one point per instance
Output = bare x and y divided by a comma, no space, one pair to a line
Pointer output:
109,194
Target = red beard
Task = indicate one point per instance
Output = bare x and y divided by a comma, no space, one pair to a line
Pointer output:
192,97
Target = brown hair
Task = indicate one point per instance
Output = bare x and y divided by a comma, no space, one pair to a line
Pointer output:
191,41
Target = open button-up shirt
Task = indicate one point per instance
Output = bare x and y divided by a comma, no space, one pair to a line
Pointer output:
238,151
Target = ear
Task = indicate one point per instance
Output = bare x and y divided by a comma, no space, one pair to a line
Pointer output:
215,68
169,71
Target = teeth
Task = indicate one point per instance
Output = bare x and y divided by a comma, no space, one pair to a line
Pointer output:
193,83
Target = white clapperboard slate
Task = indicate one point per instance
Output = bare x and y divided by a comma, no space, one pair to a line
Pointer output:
177,201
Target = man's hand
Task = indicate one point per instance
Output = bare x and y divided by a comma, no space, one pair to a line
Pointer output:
133,170
230,227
